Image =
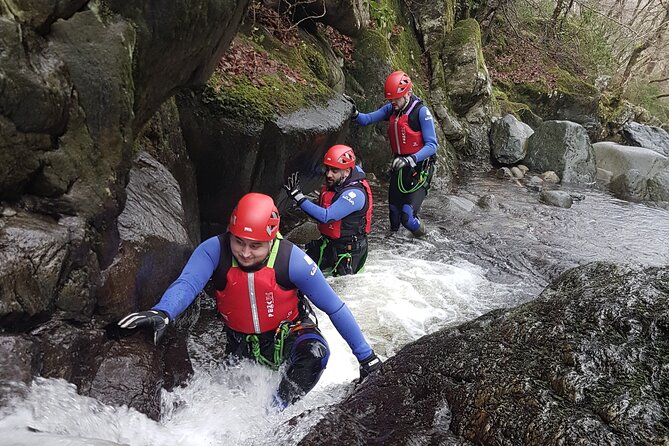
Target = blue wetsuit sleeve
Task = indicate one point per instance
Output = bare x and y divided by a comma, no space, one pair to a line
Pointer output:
305,275
382,114
353,200
193,278
429,135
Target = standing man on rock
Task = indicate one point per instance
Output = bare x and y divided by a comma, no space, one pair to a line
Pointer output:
262,284
413,142
344,213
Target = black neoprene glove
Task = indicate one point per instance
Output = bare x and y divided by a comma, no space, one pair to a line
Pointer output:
369,365
292,186
155,319
354,108
401,161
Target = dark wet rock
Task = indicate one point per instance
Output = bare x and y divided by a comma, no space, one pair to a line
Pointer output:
631,185
40,260
36,92
131,374
18,364
162,139
208,335
73,99
508,139
41,14
557,198
585,360
233,157
177,364
658,186
177,44
33,109
564,147
69,352
154,242
649,137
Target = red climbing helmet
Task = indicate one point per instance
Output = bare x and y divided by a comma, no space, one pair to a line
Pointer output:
255,218
339,156
397,85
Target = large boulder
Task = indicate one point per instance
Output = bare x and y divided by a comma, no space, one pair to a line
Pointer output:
232,158
649,137
154,244
177,44
39,272
33,108
162,139
467,79
619,159
508,139
584,363
637,173
563,147
40,14
131,374
468,87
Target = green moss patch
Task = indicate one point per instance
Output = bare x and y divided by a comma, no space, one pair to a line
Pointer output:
259,78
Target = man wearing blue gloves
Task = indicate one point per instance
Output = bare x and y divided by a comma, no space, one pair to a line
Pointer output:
262,283
343,213
413,142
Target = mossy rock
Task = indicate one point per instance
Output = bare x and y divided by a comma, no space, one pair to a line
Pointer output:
509,107
263,96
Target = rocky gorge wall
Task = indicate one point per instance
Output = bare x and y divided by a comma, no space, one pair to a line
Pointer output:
124,140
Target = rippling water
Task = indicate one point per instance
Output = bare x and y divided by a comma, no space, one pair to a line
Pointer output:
468,264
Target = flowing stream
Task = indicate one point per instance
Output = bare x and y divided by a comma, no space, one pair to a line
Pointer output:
468,264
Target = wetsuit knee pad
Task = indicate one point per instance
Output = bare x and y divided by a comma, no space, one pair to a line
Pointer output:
409,221
308,357
311,350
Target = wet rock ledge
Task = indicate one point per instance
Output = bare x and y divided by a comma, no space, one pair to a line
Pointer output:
587,362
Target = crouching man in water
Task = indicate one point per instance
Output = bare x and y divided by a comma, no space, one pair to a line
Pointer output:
344,213
260,281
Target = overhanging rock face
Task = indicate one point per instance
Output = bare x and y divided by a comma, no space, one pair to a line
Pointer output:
584,362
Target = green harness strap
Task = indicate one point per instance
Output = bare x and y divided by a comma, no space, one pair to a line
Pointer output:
340,257
321,250
421,181
279,340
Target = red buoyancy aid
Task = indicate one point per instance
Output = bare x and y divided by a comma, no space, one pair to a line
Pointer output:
356,223
403,140
253,302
